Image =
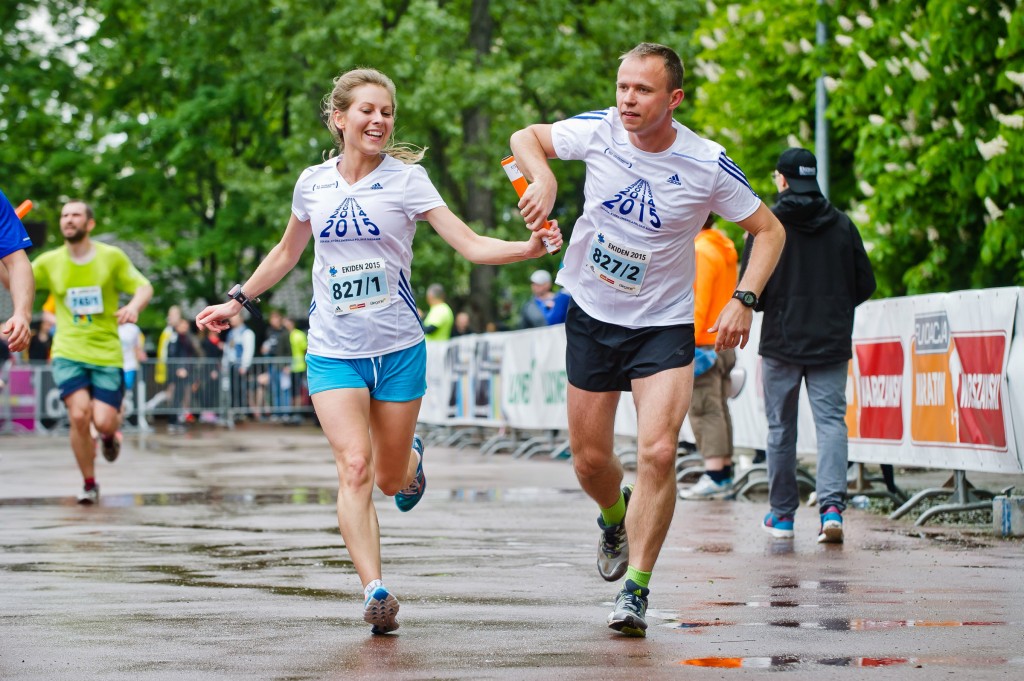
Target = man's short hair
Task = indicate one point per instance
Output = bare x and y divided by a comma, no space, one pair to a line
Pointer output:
88,209
673,64
436,290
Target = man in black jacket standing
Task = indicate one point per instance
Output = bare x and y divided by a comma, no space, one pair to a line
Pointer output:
806,332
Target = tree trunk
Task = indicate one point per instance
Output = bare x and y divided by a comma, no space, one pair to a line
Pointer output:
479,203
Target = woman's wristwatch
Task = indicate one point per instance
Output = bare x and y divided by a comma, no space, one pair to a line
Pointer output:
236,293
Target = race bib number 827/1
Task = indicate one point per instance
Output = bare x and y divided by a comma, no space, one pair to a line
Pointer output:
358,285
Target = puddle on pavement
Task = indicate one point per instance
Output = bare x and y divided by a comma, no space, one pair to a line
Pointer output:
762,604
478,495
837,624
213,496
783,662
831,586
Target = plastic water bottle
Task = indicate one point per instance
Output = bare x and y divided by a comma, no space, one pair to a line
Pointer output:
860,501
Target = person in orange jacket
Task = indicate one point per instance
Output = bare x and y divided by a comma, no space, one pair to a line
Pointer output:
713,287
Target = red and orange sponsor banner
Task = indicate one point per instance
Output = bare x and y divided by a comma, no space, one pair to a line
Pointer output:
928,381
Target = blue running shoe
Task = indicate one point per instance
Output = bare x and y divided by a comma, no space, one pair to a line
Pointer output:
780,527
629,615
380,609
406,499
831,526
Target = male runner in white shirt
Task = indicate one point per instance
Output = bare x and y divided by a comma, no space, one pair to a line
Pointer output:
651,184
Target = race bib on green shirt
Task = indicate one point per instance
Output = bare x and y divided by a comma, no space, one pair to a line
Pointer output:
85,300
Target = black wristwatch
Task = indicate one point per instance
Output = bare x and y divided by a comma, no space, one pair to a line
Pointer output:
236,293
748,298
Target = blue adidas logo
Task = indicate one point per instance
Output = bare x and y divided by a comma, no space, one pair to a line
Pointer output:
675,180
376,185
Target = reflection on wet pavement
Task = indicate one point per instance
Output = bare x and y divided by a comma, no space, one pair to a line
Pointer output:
838,624
789,661
212,496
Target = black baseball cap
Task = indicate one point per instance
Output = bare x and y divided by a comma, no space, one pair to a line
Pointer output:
800,169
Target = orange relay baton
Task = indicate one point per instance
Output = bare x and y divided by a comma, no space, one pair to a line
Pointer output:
518,181
23,208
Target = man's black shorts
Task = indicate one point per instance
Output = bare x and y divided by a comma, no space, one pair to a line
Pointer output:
603,357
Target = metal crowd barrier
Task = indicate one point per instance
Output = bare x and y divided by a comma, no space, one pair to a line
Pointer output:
196,390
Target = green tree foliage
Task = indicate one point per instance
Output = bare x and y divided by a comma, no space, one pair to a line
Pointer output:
188,121
926,112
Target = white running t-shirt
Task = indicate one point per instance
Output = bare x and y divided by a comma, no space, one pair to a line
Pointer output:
363,305
130,335
630,261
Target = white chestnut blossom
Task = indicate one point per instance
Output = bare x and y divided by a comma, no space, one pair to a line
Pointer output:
892,65
864,21
909,40
959,127
733,13
845,24
805,46
866,189
844,40
933,234
707,42
994,211
875,119
1015,77
893,167
994,147
868,62
790,48
831,84
1015,121
919,72
795,93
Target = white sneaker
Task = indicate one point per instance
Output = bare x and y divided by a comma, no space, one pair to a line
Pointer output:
706,488
87,497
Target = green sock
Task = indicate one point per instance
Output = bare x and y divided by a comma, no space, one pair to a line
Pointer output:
615,514
639,577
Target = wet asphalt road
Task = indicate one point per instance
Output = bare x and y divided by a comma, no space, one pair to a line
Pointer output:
217,555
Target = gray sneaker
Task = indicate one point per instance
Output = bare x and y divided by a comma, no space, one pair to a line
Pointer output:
630,610
613,546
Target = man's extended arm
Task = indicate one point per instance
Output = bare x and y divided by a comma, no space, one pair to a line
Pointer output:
17,275
733,325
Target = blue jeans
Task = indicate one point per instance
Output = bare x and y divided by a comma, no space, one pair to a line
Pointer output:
826,391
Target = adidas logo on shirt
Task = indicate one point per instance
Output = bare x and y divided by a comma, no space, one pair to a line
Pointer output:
675,180
376,185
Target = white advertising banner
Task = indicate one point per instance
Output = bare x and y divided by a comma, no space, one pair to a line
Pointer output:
534,384
464,378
